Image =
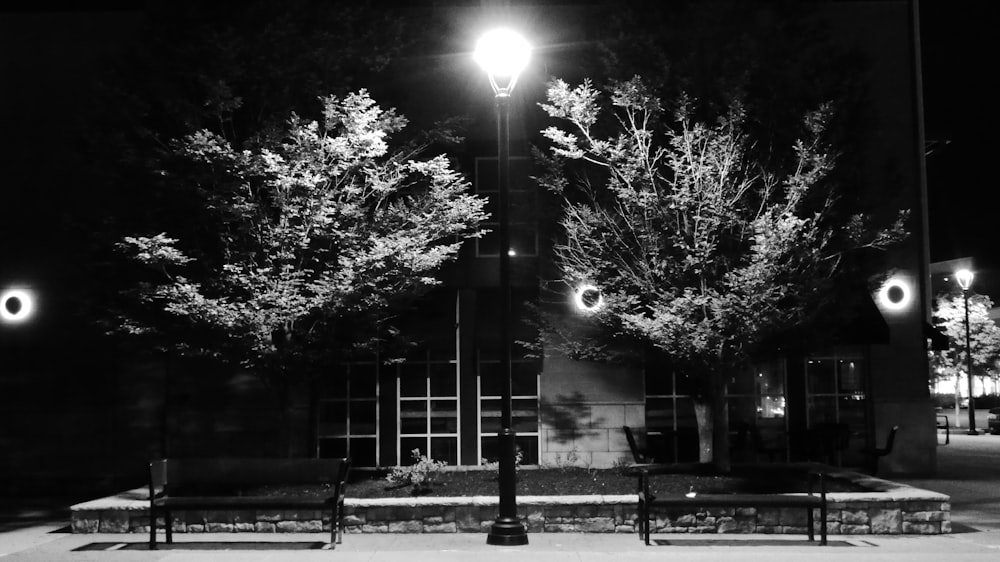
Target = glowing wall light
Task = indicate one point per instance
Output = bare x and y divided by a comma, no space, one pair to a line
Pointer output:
895,294
16,305
588,298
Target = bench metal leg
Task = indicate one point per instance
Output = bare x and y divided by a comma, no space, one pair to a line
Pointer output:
152,530
810,523
168,520
822,528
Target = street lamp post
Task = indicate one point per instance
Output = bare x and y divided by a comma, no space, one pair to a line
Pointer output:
964,278
503,54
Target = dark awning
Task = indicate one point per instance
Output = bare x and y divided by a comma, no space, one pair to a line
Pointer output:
866,327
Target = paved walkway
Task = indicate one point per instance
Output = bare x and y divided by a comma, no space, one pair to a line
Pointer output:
969,471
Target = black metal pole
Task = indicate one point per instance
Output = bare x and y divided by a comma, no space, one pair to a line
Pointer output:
968,367
507,530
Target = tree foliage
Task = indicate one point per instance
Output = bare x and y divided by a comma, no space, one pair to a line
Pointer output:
308,239
697,249
984,335
700,249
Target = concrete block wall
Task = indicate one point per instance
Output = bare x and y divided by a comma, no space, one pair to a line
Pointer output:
595,440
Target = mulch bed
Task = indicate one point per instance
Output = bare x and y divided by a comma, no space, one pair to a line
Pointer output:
570,481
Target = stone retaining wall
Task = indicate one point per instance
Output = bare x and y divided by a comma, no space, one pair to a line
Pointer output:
889,509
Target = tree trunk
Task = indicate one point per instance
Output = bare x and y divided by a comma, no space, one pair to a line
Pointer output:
712,416
958,399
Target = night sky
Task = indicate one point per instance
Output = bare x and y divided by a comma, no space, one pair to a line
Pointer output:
959,54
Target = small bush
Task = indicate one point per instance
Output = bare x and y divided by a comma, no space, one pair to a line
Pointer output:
421,474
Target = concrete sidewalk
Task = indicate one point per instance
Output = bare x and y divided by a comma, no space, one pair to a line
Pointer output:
968,470
553,547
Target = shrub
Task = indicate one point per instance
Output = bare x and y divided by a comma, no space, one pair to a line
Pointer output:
421,474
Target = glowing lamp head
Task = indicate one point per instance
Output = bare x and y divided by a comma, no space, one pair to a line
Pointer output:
503,54
964,278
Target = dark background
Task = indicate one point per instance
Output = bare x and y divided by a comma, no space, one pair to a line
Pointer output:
960,54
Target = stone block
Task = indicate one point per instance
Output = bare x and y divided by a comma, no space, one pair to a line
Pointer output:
375,528
86,524
793,517
559,528
833,528
442,527
178,526
625,529
592,440
915,528
608,416
855,529
886,521
635,415
311,526
923,516
687,520
745,512
596,525
768,516
946,526
195,528
220,527
854,517
467,518
264,527
727,525
558,441
378,514
405,527
246,527
113,521
353,520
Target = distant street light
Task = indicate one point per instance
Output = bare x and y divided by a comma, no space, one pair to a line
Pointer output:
504,54
964,277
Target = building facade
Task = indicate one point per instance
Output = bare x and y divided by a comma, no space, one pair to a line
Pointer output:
444,401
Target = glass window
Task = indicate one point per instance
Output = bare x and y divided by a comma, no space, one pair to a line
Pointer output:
347,421
428,406
671,425
837,407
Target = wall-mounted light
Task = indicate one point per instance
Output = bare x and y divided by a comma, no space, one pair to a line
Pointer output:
16,305
588,298
895,294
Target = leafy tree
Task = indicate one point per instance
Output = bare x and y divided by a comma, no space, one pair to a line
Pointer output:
700,249
984,336
308,240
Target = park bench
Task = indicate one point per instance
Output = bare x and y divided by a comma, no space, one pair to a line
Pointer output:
225,484
875,453
648,503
